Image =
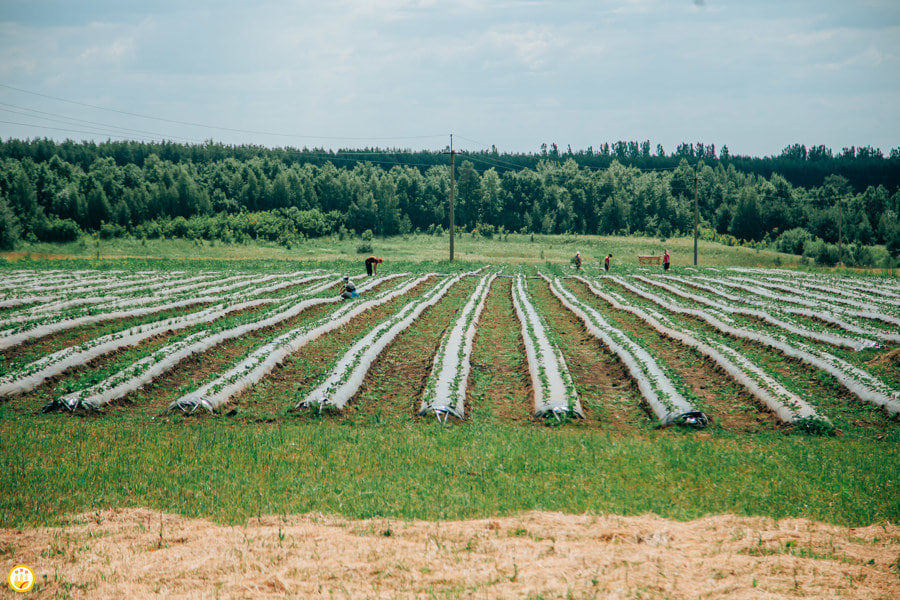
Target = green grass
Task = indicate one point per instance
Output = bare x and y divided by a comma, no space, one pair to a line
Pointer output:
229,472
229,469
509,249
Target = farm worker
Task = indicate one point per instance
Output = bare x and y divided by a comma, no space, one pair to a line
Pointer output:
372,265
665,260
348,290
578,260
606,261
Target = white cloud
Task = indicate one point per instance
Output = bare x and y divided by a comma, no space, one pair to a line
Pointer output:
114,51
528,71
531,45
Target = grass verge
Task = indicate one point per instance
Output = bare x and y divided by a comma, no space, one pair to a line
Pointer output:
228,472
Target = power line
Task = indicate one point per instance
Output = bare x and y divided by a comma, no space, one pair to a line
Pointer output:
216,127
57,118
66,129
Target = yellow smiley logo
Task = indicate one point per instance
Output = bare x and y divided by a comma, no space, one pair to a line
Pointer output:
21,578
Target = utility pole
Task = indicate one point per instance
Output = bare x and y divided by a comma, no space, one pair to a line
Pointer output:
452,199
840,232
696,216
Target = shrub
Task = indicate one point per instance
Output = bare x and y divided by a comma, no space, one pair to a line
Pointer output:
823,253
111,230
858,255
55,229
793,240
485,230
177,227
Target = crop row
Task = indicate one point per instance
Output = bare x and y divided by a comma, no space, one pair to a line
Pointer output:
670,306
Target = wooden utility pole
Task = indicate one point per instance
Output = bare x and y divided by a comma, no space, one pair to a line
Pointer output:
696,216
452,199
840,232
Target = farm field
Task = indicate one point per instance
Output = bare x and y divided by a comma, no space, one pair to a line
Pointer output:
508,248
467,391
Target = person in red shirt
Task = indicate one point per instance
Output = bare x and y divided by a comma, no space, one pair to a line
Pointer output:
372,265
665,260
606,261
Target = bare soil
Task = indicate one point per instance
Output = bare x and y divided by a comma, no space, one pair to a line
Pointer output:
393,387
39,347
297,376
35,399
499,384
140,553
817,387
725,401
890,358
163,390
609,396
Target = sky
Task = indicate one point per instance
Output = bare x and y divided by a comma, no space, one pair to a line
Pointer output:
753,75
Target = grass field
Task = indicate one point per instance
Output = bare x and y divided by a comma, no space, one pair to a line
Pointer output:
513,248
378,462
229,471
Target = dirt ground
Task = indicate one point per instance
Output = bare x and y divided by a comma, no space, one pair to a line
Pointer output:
139,553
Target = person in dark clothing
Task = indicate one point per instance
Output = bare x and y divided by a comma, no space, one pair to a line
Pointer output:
606,261
578,260
666,260
348,290
372,265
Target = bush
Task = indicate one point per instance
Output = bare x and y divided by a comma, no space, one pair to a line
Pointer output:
485,230
823,253
793,241
177,227
364,248
109,231
858,255
55,229
149,230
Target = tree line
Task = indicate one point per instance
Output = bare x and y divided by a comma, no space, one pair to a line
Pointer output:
54,191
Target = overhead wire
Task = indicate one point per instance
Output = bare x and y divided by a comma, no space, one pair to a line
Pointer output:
95,128
216,127
66,129
100,127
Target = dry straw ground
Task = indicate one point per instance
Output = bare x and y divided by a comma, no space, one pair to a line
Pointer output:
139,553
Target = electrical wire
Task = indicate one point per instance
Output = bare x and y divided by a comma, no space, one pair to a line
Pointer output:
101,127
339,155
216,127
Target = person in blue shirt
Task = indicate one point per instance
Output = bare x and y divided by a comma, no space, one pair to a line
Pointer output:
348,290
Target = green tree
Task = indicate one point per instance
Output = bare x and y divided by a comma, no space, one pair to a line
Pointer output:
746,224
98,209
491,198
23,201
468,194
9,226
613,215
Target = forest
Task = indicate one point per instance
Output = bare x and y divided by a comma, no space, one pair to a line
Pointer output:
800,201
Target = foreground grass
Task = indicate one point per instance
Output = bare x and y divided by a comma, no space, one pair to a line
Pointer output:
215,468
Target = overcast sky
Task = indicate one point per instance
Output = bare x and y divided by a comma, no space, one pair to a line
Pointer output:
755,75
